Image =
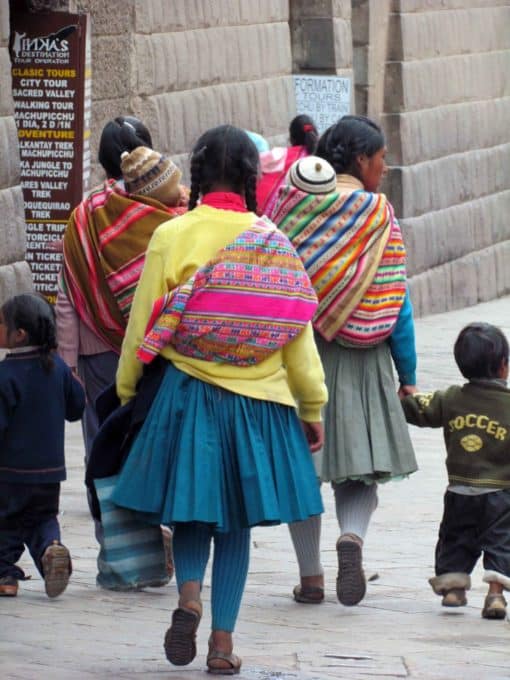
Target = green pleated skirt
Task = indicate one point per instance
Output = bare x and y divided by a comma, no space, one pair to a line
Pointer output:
366,433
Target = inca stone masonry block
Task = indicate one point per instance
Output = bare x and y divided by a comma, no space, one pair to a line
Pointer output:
418,136
13,225
113,17
112,57
9,165
430,186
422,84
440,34
15,278
6,102
322,8
161,16
343,43
478,277
4,24
341,9
443,235
262,105
190,59
430,5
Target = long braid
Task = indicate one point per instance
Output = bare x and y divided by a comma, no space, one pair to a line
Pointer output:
251,192
49,344
196,177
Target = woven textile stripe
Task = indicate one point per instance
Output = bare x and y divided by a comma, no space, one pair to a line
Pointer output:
352,248
247,302
104,250
132,549
375,316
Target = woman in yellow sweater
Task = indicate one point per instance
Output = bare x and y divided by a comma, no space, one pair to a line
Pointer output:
223,447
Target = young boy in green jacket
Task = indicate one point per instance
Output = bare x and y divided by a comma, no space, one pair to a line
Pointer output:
476,422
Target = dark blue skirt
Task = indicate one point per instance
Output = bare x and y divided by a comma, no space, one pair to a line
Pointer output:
205,454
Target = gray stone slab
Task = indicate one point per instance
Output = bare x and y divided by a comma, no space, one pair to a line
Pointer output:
463,282
418,136
443,5
443,235
180,118
13,221
4,24
168,62
6,102
434,185
441,33
421,84
15,278
154,17
9,152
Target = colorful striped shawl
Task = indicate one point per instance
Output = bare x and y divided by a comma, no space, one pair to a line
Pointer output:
247,302
352,249
104,251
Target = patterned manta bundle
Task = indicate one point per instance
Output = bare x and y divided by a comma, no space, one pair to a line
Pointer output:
247,302
352,248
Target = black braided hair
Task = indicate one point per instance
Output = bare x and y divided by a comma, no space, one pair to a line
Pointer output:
197,160
124,133
33,314
251,192
303,132
343,142
226,159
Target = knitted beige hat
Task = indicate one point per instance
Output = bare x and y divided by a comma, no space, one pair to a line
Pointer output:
149,173
313,175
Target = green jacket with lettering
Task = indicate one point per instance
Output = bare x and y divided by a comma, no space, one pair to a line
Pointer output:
476,423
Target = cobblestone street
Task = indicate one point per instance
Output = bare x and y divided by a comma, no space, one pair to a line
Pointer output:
398,631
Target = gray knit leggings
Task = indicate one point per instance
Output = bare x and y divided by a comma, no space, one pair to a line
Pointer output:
355,503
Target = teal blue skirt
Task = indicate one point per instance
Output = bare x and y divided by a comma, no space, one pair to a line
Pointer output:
205,454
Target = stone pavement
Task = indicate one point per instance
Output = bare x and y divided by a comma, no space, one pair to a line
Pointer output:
398,631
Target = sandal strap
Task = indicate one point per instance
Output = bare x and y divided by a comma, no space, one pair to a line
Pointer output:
231,659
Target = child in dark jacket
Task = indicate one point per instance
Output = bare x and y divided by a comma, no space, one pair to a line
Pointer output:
476,423
37,394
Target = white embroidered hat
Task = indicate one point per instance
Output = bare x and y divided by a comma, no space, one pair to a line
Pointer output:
312,175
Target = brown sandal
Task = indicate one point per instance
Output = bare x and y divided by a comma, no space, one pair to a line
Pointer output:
232,659
180,639
308,594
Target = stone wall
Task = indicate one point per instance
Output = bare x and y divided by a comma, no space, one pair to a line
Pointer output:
15,276
183,67
438,83
446,111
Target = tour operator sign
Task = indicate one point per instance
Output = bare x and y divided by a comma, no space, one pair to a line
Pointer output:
324,98
50,57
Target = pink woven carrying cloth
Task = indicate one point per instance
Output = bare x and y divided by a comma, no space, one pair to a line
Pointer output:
247,302
352,249
274,165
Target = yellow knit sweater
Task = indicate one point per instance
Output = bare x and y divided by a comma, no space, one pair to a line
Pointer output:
292,376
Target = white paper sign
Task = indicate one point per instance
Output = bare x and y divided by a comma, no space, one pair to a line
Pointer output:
324,98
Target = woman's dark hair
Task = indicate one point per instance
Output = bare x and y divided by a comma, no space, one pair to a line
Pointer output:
36,317
303,132
480,350
224,156
343,142
124,133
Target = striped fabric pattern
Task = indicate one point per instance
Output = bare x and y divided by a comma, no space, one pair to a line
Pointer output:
133,550
247,302
352,249
104,252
